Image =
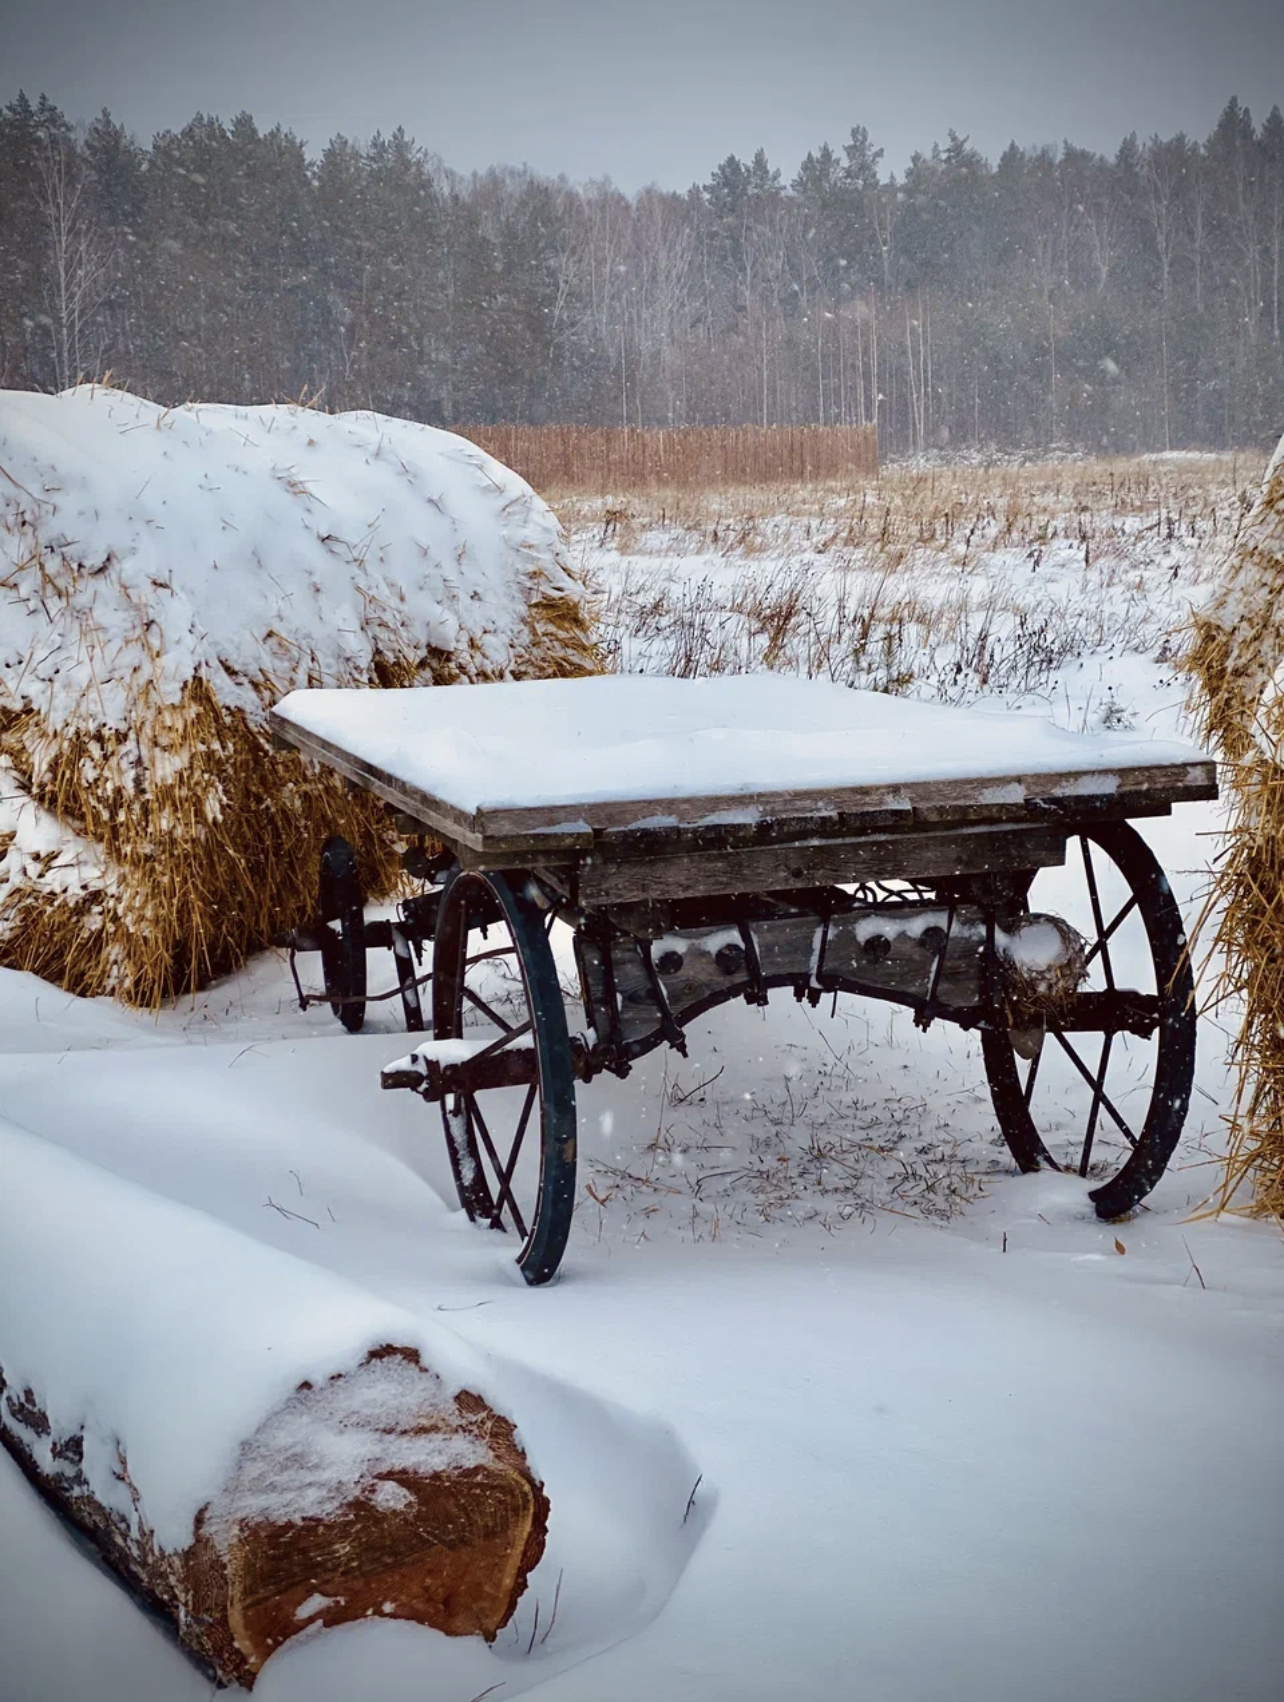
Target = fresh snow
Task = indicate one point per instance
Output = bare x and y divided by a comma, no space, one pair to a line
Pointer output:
955,1458
829,1402
956,1462
439,1052
38,849
623,737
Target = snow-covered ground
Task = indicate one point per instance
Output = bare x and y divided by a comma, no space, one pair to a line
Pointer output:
828,1401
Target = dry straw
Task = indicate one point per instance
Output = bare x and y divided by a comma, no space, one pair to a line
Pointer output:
211,837
1238,658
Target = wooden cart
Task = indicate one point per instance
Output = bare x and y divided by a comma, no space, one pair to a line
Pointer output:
979,869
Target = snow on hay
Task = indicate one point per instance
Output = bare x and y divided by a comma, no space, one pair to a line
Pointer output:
168,574
1238,659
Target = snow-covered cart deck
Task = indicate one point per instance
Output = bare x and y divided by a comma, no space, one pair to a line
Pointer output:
708,839
603,772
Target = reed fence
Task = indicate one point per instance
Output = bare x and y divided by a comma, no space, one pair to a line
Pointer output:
600,460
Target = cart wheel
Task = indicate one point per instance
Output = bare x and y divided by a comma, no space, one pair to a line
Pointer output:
343,960
512,1148
1115,1115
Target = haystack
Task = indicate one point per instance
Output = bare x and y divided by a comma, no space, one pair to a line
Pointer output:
167,574
1238,657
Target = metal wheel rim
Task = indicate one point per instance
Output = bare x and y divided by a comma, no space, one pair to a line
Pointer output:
482,1160
340,899
1152,1136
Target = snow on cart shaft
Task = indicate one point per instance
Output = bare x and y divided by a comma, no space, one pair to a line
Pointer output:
637,752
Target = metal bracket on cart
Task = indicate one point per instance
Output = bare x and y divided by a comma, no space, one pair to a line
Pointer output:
338,945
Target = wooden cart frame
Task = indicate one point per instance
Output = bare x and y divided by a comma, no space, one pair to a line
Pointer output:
679,904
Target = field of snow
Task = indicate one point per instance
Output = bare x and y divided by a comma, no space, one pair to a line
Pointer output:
828,1401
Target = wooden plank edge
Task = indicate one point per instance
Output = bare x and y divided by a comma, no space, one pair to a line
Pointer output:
637,844
502,837
777,868
1193,780
442,819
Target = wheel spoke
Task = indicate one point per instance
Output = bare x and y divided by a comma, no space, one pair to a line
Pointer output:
1101,1093
505,1039
1097,917
497,951
505,1191
1028,1090
476,999
506,1180
1107,1040
1128,908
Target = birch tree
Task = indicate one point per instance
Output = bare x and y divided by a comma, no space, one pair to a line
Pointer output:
78,261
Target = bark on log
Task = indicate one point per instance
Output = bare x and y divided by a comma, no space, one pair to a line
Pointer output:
363,1497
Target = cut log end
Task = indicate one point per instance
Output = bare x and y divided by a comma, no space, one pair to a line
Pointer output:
372,1495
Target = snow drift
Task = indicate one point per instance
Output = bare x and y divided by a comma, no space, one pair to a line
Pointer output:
168,573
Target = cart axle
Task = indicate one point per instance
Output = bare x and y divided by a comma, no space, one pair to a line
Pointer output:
435,1078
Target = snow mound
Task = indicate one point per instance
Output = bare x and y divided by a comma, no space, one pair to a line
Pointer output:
244,544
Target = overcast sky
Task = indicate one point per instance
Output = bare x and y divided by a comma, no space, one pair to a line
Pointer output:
655,90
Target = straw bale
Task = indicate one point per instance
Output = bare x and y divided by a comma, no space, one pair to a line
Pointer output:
168,574
1237,656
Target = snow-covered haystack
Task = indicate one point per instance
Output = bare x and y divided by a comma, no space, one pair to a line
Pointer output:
1238,657
167,574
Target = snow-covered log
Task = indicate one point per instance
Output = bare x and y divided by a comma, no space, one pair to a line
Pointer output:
254,1445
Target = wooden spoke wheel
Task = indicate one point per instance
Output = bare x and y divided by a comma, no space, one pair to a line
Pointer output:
343,956
511,1136
1101,1089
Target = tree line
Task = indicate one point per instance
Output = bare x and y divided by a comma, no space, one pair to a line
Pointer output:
1057,297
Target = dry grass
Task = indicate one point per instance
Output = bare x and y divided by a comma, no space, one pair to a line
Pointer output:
608,460
811,1147
942,583
1002,504
1236,656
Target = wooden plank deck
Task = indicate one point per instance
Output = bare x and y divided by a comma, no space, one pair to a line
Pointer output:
617,831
